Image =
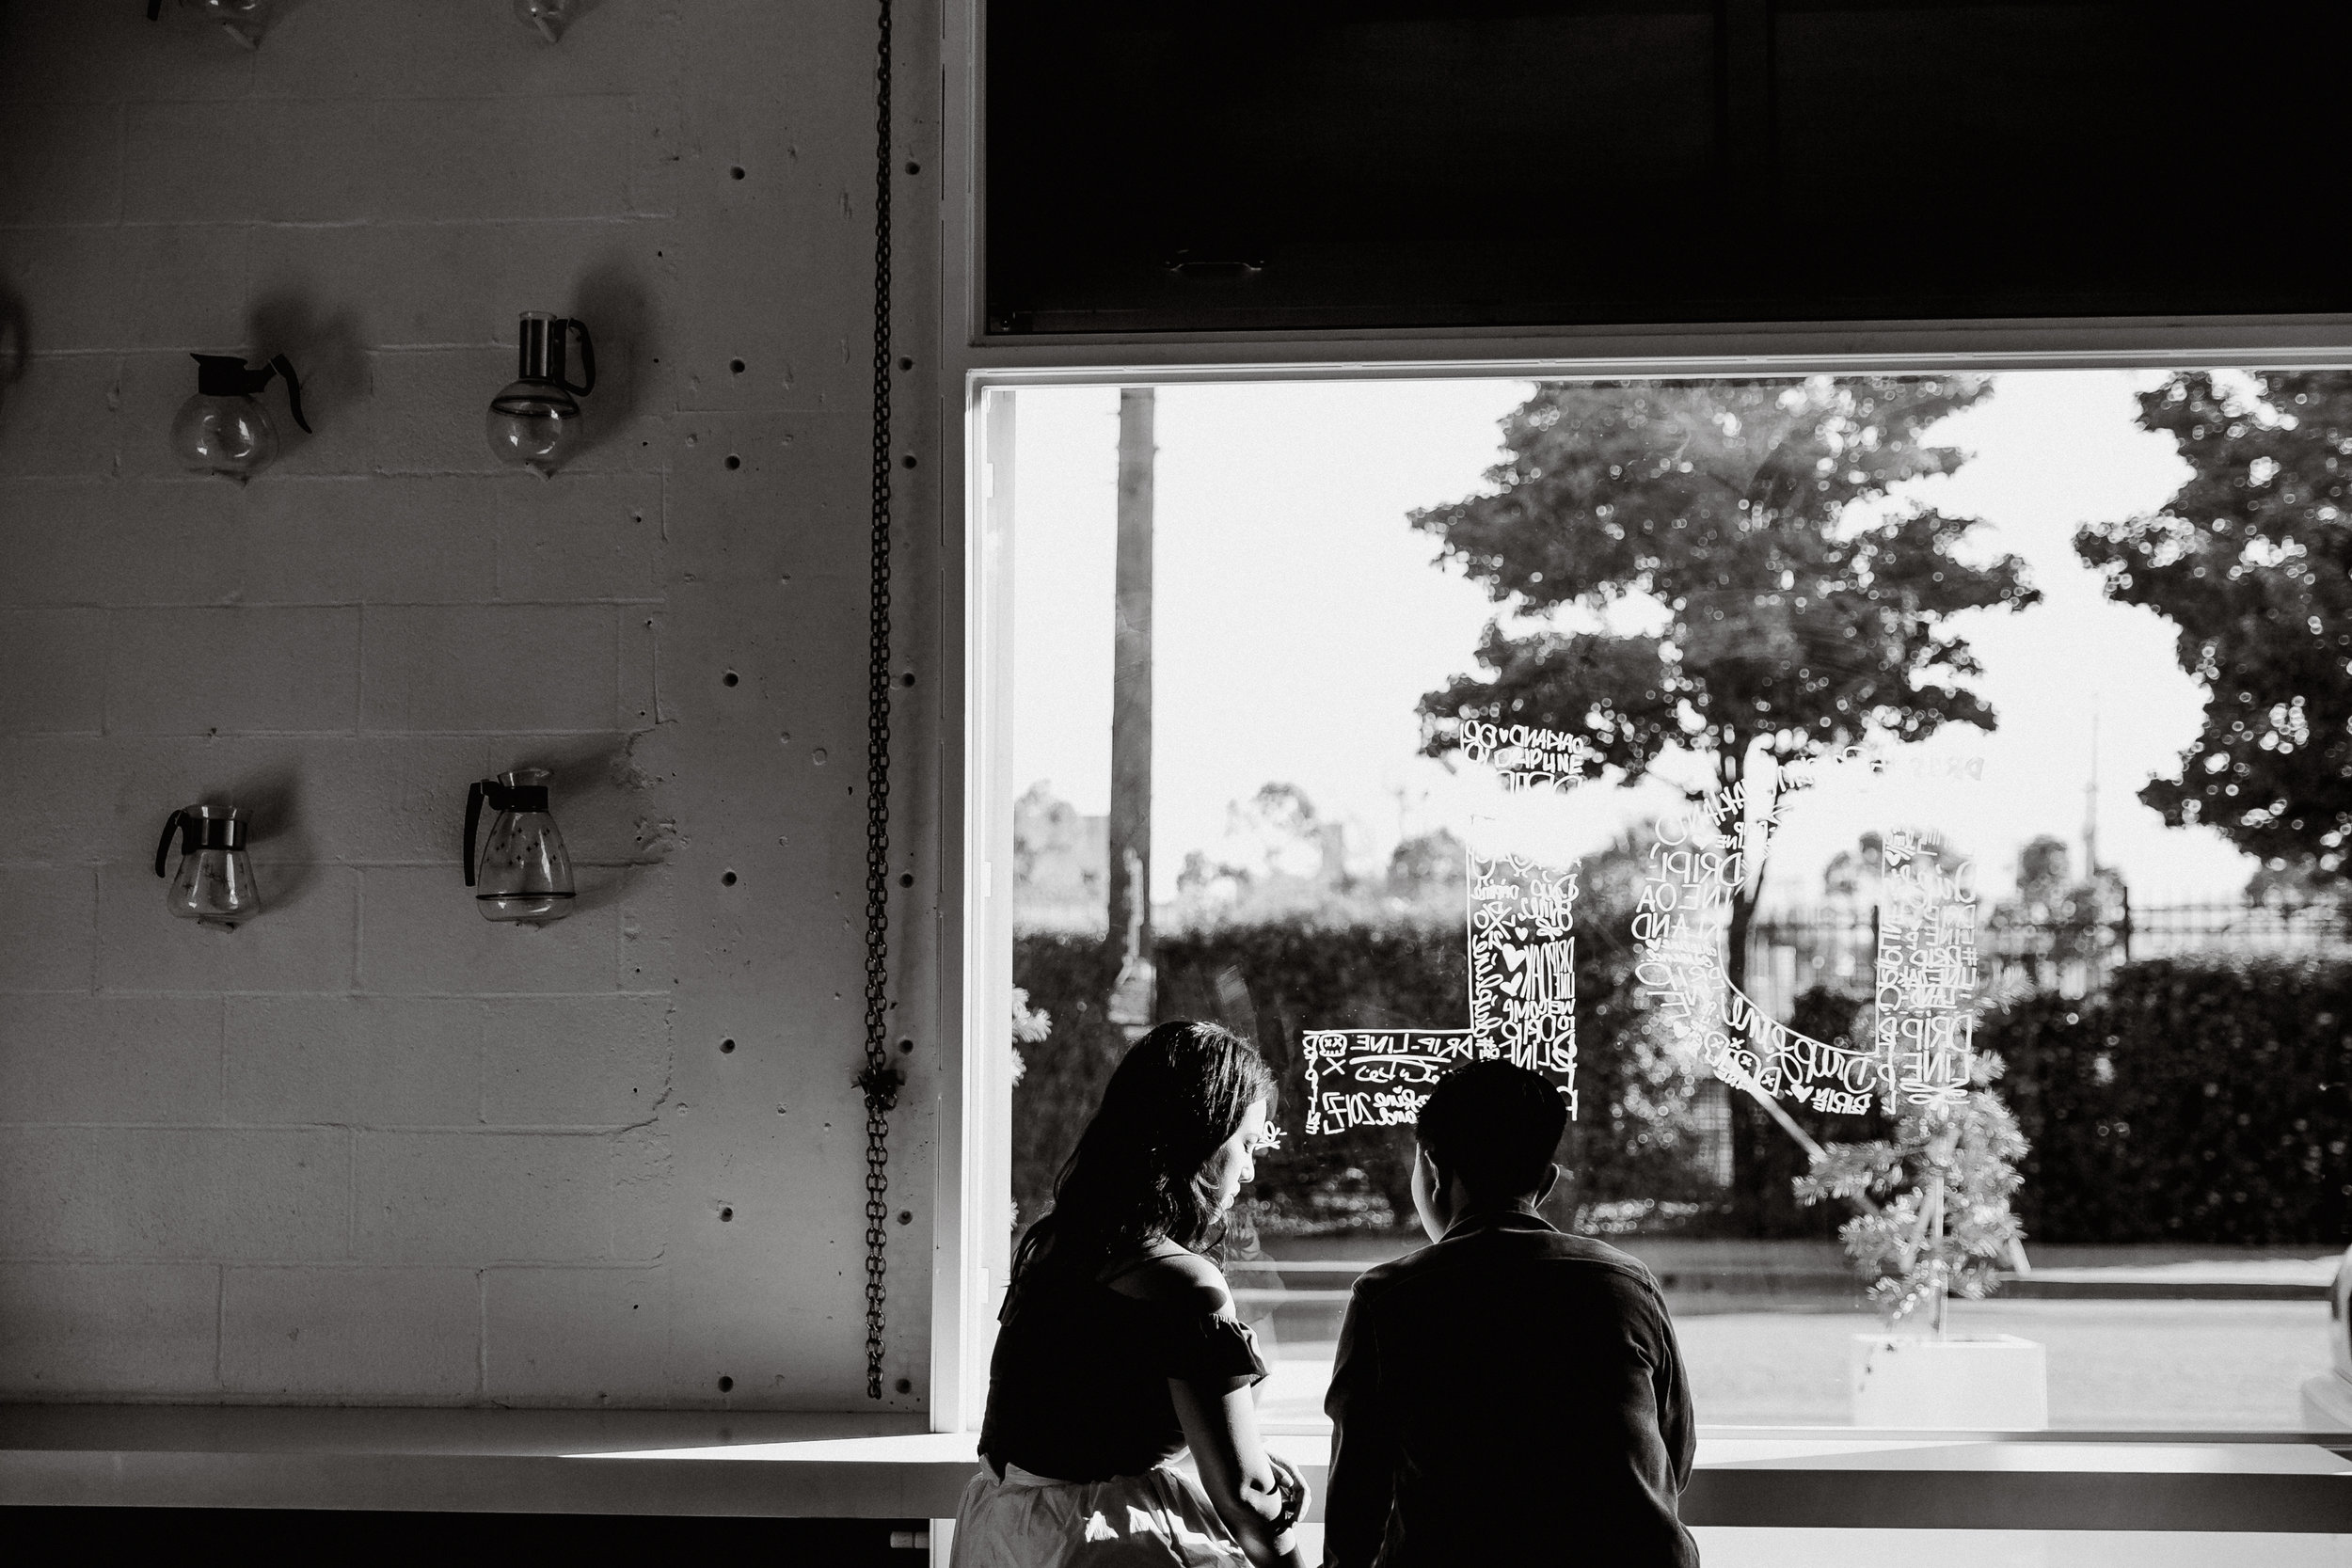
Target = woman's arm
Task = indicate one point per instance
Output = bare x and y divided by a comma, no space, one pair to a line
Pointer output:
1235,1471
1219,1417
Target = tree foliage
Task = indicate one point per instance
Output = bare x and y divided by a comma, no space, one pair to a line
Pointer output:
1718,507
1739,594
2252,559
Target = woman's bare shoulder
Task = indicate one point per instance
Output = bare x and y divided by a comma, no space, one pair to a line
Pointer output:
1174,1277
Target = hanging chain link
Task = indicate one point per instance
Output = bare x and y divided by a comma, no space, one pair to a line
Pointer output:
880,1081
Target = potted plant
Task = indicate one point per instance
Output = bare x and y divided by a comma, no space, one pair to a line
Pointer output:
1933,1221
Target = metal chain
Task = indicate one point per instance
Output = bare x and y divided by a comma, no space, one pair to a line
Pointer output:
880,1081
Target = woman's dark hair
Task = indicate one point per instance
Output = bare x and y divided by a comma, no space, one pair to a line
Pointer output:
1180,1093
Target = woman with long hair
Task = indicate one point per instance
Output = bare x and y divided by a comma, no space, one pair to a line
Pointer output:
1119,1349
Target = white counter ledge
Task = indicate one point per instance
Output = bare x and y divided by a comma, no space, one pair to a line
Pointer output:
637,1462
876,1467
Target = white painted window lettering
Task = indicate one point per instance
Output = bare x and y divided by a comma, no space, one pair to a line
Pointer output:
1522,967
1927,968
1921,1045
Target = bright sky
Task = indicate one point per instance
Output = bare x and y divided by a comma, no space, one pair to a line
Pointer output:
1299,618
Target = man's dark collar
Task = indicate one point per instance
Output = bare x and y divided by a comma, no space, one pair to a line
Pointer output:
1497,1219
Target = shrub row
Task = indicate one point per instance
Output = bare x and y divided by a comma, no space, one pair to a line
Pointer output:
1272,981
2194,1101
2205,1101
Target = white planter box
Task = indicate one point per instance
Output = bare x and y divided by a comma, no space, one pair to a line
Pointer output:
1997,1384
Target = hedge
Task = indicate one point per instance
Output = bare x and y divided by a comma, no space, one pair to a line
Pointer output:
2198,1099
2203,1100
1272,980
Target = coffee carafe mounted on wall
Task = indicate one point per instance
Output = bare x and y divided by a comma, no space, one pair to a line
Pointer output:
224,429
523,873
535,423
213,885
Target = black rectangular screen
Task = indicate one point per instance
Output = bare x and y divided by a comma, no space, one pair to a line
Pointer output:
1299,163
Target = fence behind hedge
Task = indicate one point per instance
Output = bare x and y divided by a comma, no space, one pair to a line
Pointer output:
2196,1099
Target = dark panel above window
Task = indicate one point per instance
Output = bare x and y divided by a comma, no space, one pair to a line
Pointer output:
1294,164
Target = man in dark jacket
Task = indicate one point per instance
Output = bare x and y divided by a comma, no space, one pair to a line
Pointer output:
1510,1394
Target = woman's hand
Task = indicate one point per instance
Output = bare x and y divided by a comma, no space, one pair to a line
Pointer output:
1295,1492
1241,1477
1263,1498
1279,1499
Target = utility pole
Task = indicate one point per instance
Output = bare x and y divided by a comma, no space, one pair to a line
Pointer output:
2090,804
2105,921
1130,928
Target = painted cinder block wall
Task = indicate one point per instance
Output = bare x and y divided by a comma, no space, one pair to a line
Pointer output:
369,1147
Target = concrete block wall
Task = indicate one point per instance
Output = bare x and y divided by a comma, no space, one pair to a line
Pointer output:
369,1147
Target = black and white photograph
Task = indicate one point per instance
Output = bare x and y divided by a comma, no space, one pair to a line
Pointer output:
1347,784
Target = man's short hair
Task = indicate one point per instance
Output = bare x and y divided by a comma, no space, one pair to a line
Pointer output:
1495,1126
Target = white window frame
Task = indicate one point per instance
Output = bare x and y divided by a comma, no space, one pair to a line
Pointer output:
974,1008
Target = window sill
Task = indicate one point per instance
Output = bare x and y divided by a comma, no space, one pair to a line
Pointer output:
2252,1482
873,1466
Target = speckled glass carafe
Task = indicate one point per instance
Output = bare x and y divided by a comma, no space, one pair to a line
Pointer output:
524,873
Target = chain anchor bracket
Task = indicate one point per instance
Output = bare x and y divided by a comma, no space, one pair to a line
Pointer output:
880,1087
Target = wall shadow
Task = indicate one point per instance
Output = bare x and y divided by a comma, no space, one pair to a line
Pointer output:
16,341
324,347
280,835
611,296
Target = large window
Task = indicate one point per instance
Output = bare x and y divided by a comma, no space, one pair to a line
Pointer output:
1905,812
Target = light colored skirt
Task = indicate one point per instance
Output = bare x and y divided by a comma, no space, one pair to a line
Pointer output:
1159,1518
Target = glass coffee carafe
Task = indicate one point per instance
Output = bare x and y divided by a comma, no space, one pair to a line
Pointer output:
213,885
523,873
224,429
535,423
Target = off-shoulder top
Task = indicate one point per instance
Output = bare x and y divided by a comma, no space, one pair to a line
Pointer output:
1077,1389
